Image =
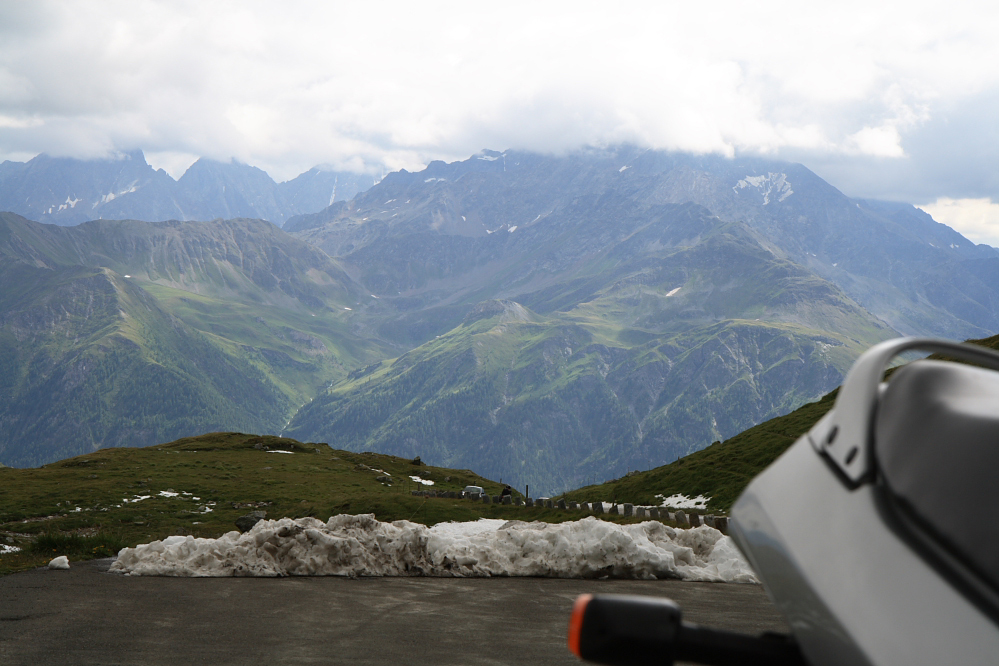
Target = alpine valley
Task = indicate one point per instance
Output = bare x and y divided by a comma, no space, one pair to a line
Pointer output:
547,320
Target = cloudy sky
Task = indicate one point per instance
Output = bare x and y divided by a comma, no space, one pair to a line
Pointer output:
885,100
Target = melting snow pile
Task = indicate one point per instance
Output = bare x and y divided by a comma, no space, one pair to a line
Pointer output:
362,546
679,501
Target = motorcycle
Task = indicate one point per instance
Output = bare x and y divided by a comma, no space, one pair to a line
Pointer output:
875,534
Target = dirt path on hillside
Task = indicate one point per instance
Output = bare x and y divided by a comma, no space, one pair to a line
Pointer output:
88,616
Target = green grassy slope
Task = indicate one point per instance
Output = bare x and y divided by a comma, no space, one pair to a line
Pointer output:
79,504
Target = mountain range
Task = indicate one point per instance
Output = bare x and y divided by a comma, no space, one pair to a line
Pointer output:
915,274
542,319
68,191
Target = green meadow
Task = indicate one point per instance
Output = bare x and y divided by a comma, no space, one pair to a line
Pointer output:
93,505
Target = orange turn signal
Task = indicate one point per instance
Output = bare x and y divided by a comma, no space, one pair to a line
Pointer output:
576,622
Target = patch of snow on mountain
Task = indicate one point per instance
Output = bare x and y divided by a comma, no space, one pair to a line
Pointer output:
363,546
426,482
621,170
512,229
111,196
488,158
5,549
70,203
770,185
672,291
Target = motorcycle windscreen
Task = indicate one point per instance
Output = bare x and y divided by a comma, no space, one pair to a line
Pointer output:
937,449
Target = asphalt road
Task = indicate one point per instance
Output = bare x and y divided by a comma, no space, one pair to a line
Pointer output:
88,616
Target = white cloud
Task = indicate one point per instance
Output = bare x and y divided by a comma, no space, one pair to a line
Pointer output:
389,86
884,141
10,122
976,219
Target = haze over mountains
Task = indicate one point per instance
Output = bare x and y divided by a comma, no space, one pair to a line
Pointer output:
68,191
542,319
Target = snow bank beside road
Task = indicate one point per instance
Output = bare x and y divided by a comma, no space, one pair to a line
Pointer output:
679,501
362,546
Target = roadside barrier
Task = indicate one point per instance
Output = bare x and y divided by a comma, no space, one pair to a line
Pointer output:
682,518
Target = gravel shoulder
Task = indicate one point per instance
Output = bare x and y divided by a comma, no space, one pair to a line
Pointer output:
88,616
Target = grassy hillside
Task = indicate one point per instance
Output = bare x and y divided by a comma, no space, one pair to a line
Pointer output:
722,470
93,505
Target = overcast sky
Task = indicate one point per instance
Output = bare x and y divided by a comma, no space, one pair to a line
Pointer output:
895,101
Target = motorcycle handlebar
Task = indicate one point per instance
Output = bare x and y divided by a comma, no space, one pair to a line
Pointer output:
622,630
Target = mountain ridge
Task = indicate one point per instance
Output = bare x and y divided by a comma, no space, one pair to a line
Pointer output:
68,191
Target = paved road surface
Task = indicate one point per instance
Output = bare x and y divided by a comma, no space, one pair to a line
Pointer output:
88,616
